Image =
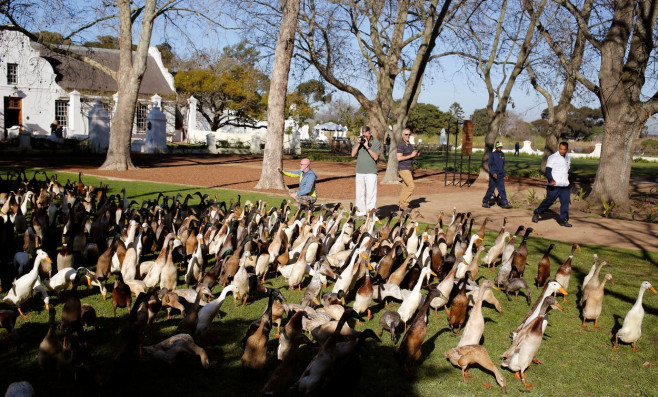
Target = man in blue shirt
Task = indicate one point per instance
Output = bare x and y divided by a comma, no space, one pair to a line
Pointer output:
497,177
306,195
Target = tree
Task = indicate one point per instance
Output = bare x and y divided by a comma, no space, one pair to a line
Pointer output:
341,112
499,49
557,116
52,38
426,118
515,127
480,119
229,92
390,44
623,39
314,91
270,178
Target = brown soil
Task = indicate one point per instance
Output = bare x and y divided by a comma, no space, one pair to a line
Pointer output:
336,184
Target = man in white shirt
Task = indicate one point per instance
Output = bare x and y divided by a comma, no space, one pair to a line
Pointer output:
557,173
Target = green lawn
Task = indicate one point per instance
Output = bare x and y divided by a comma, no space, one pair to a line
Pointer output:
576,361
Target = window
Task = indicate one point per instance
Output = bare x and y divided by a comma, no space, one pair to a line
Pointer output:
12,73
142,111
61,112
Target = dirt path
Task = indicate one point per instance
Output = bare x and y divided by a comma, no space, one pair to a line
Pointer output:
336,184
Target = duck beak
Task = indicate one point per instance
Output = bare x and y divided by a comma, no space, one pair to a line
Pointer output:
651,288
496,287
563,291
433,274
558,306
47,306
104,297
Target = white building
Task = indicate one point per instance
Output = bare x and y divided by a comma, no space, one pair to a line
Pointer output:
38,86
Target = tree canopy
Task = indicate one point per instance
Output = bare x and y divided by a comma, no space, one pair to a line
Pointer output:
426,118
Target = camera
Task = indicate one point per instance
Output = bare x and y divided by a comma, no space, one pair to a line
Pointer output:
362,139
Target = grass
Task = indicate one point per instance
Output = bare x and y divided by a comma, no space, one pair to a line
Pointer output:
576,361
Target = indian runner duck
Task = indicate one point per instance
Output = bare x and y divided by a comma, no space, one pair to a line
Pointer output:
524,348
410,347
475,324
544,268
631,330
22,287
464,356
563,273
594,302
208,312
169,349
410,304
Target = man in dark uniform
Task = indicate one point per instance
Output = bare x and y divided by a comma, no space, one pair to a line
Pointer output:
497,177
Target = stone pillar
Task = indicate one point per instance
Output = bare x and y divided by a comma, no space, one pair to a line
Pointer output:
527,148
156,100
191,114
156,132
255,143
296,144
115,98
99,128
74,121
597,151
24,138
211,141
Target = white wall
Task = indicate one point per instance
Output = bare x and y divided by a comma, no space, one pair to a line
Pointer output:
36,82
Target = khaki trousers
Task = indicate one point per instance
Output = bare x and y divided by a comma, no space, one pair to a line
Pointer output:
407,187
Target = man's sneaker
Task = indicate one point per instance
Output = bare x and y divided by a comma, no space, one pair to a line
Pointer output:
485,205
535,218
506,206
564,223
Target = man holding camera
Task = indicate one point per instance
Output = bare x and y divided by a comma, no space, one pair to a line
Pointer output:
367,151
406,156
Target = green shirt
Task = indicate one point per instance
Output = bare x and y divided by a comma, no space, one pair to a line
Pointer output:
365,164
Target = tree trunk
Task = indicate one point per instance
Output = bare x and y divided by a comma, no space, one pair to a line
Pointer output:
391,176
270,178
118,153
131,71
622,126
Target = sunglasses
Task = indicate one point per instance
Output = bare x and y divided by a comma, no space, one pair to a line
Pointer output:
406,134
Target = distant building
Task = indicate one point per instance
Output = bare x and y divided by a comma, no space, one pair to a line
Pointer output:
38,86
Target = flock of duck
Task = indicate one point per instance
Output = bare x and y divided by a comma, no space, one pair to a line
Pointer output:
72,235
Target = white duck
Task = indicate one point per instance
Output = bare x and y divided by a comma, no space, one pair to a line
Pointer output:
208,312
445,286
344,280
410,304
21,287
631,330
466,260
550,288
591,272
496,250
62,280
241,280
475,325
196,263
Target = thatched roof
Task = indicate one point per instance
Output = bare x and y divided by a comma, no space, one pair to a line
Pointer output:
77,75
